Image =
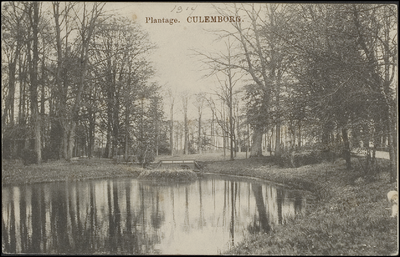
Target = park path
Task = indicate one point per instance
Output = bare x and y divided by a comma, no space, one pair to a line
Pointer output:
378,154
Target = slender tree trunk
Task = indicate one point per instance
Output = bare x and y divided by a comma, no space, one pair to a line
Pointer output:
9,107
116,124
186,147
278,140
239,137
171,129
127,129
21,106
224,142
61,94
346,149
248,140
92,127
35,83
156,125
128,110
278,126
71,141
212,132
325,136
299,144
186,127
231,128
43,81
199,131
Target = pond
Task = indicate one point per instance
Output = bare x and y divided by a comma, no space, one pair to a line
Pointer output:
127,216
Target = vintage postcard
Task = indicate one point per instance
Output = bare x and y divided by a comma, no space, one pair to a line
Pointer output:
199,128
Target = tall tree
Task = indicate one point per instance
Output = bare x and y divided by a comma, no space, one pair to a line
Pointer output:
199,103
87,25
376,29
14,35
223,63
185,96
263,60
171,97
33,15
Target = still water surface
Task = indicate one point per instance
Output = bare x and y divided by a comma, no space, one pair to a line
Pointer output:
127,216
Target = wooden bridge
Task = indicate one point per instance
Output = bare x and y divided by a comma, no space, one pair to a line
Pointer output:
181,164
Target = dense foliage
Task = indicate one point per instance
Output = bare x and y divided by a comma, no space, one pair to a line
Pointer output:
80,80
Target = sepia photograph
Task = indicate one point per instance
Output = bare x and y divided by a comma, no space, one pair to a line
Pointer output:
199,128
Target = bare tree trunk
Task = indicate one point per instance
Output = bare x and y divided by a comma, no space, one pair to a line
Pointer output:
115,125
126,134
278,121
212,132
35,83
224,142
92,124
199,131
346,150
278,140
61,98
9,104
21,107
71,141
248,140
156,126
238,138
171,124
231,128
299,140
185,99
186,146
171,132
256,147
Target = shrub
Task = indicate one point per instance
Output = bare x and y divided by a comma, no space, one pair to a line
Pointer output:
28,156
145,158
48,153
300,158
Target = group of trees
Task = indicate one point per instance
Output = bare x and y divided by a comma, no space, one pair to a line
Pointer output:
325,72
76,72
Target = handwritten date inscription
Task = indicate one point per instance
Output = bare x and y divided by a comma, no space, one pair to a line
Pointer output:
179,9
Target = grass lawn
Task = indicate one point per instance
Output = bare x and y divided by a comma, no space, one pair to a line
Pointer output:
350,216
15,173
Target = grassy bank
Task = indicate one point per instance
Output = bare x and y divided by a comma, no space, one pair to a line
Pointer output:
351,216
15,173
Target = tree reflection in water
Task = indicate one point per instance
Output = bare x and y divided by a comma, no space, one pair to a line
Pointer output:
130,217
261,209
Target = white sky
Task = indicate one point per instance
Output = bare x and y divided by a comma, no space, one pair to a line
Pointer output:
174,61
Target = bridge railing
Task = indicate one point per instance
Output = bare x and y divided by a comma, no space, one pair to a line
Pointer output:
183,164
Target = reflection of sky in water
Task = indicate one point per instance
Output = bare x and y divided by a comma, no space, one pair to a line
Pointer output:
128,216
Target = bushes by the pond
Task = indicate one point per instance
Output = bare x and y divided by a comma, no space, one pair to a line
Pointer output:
28,156
168,175
296,159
